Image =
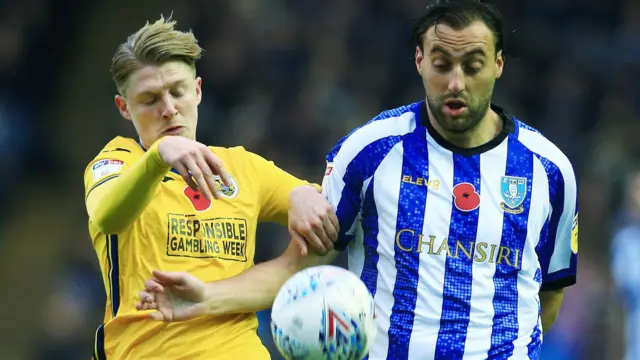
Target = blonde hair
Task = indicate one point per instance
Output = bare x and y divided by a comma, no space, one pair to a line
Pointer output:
153,44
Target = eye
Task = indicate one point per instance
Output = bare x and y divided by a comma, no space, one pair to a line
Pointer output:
473,68
149,100
441,65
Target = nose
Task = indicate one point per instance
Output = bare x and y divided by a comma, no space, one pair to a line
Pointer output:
456,82
168,108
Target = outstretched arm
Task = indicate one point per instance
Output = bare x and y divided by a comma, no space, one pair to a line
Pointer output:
259,284
178,296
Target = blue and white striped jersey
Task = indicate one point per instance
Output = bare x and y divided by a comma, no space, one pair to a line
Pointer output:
454,244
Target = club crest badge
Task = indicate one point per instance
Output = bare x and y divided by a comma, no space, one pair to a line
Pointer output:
513,190
228,192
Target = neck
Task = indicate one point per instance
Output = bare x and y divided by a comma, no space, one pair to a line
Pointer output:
486,130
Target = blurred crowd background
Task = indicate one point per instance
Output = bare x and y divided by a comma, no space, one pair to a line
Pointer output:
287,79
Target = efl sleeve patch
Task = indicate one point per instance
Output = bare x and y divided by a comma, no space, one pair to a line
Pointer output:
325,179
574,235
106,167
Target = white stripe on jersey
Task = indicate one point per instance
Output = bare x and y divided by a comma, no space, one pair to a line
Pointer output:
437,216
528,288
489,231
390,168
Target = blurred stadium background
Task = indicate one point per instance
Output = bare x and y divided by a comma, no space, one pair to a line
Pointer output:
287,79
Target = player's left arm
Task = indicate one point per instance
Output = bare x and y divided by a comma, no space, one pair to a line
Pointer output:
558,251
550,301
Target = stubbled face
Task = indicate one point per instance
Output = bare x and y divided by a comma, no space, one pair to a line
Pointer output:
459,69
162,100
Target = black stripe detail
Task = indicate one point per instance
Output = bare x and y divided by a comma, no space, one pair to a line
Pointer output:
114,272
559,284
116,149
110,177
98,345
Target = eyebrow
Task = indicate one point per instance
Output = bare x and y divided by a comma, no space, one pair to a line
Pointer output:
168,86
442,50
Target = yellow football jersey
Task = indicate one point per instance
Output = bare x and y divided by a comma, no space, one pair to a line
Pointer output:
180,230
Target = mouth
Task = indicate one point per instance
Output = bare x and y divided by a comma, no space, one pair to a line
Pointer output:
174,130
454,107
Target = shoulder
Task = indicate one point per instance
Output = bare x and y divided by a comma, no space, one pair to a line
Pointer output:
238,160
231,155
120,146
116,153
386,125
554,160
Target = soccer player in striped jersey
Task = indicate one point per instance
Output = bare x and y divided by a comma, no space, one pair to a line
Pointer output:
460,218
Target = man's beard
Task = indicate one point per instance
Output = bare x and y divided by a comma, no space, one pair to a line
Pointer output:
464,123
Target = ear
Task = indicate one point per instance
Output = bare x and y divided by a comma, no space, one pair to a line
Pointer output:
121,104
499,64
199,89
419,59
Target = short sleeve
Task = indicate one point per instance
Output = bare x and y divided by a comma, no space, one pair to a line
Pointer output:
343,193
108,165
559,249
275,187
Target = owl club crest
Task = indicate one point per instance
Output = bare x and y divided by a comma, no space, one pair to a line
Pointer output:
228,192
513,190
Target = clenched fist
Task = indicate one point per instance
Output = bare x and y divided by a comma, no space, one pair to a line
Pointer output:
312,220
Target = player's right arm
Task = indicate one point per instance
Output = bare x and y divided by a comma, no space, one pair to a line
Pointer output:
115,200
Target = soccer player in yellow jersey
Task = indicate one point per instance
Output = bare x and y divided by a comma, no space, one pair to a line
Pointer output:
169,202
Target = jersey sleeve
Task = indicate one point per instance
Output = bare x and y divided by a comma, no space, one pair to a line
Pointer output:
275,187
351,165
343,193
108,165
559,250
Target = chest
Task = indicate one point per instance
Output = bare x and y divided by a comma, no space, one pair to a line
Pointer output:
427,198
196,227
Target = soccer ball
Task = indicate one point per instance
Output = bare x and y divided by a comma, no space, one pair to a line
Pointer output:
323,312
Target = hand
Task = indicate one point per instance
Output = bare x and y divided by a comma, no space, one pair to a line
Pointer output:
196,163
176,296
312,220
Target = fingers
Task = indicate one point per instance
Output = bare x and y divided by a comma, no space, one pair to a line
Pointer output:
165,278
217,167
313,233
208,176
300,242
152,287
331,231
200,169
198,175
319,229
335,222
147,301
184,172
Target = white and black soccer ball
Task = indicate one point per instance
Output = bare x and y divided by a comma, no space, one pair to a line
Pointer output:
323,312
